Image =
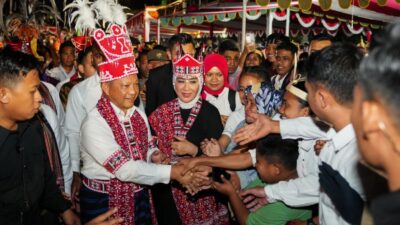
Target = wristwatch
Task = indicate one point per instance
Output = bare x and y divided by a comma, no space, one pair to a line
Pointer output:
311,222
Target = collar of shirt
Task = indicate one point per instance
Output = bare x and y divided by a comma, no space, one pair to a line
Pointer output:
342,138
122,117
279,81
67,75
22,126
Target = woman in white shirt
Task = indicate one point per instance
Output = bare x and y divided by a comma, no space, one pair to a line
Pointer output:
216,86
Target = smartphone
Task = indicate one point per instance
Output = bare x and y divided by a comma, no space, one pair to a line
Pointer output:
216,174
251,41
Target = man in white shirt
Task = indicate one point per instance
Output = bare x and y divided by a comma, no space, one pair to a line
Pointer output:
330,83
116,145
230,50
66,69
286,52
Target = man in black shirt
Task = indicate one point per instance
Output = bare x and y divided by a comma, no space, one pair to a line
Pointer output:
159,85
27,183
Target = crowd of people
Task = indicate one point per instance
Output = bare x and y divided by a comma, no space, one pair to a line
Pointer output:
117,134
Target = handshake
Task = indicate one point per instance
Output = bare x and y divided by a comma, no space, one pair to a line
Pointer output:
192,173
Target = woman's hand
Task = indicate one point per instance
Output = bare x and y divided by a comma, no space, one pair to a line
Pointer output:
181,146
211,147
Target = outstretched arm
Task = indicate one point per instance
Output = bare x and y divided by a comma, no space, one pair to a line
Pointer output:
230,161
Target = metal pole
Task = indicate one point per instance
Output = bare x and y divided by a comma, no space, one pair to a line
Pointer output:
158,30
270,22
146,27
244,23
266,23
287,21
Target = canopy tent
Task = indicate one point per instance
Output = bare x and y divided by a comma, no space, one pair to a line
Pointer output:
352,16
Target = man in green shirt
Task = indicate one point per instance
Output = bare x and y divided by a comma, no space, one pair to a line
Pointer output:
276,161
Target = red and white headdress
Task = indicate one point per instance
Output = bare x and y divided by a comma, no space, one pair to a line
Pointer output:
187,66
117,48
112,36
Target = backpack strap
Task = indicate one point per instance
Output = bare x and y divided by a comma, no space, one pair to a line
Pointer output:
232,100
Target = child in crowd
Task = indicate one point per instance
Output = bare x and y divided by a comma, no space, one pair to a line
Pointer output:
276,161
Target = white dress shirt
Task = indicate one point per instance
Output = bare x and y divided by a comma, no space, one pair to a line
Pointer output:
60,74
82,98
340,152
62,143
278,81
57,101
98,144
304,190
222,102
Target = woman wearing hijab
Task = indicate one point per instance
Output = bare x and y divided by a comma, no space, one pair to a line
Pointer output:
180,125
216,86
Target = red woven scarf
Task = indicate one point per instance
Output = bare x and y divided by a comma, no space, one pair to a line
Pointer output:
134,146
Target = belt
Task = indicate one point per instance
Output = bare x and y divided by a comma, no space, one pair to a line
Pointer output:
102,186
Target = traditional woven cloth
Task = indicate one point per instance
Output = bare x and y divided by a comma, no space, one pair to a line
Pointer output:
52,151
202,209
134,146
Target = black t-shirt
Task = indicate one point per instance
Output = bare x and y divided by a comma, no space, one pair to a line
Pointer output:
207,124
27,182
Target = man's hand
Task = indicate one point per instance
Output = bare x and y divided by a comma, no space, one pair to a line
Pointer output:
235,180
70,218
224,119
211,147
178,175
225,187
200,179
319,144
254,198
261,127
188,164
105,219
75,188
159,157
181,146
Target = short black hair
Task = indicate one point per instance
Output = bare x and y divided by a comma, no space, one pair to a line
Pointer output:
274,149
228,45
144,52
134,41
380,72
336,68
14,65
277,38
260,57
66,45
181,38
260,72
288,46
322,37
82,55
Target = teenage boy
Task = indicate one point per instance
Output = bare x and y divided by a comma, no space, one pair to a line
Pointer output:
332,75
286,52
27,183
276,161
